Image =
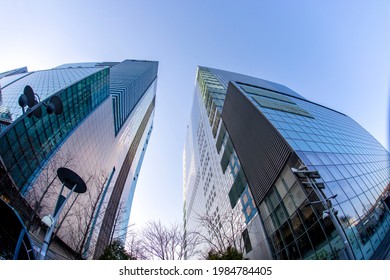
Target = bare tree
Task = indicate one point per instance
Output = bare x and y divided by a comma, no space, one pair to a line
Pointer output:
79,222
44,191
81,219
192,242
133,245
119,229
218,233
166,242
155,240
67,210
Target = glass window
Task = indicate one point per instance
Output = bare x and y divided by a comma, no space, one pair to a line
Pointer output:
304,136
359,207
325,159
302,145
331,148
357,169
379,189
324,173
11,135
24,166
264,210
347,188
374,179
351,170
314,147
272,198
280,187
289,204
344,171
286,233
288,178
297,225
371,197
269,225
16,150
20,129
293,144
277,241
335,172
284,125
298,194
294,135
314,158
293,252
303,157
334,158
305,246
355,186
364,168
323,147
17,175
342,159
329,228
317,236
280,214
349,212
327,190
284,133
367,206
307,215
368,181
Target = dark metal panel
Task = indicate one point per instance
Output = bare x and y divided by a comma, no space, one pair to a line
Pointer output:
262,151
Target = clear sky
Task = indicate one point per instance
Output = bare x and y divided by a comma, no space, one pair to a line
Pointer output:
336,53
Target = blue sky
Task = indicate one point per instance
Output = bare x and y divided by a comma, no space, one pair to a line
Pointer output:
335,53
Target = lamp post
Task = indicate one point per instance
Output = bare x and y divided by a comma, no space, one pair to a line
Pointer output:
75,184
30,99
68,178
303,173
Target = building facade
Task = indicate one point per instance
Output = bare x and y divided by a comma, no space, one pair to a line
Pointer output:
308,181
101,134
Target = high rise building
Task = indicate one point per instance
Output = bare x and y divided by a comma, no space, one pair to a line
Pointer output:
307,181
101,134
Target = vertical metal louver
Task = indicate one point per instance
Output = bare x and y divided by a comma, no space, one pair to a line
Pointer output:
261,149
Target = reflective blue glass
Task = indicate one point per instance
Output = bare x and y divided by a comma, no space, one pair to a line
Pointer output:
37,138
350,161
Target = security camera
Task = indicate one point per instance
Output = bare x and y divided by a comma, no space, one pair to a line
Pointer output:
325,214
47,221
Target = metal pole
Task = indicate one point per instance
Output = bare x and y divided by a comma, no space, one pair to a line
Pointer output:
46,241
333,217
19,244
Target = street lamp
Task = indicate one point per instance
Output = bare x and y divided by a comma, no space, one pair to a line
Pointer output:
29,98
303,173
75,184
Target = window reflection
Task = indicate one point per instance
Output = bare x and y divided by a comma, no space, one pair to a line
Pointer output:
307,215
297,225
289,204
293,252
277,241
305,246
286,233
38,137
317,236
296,229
